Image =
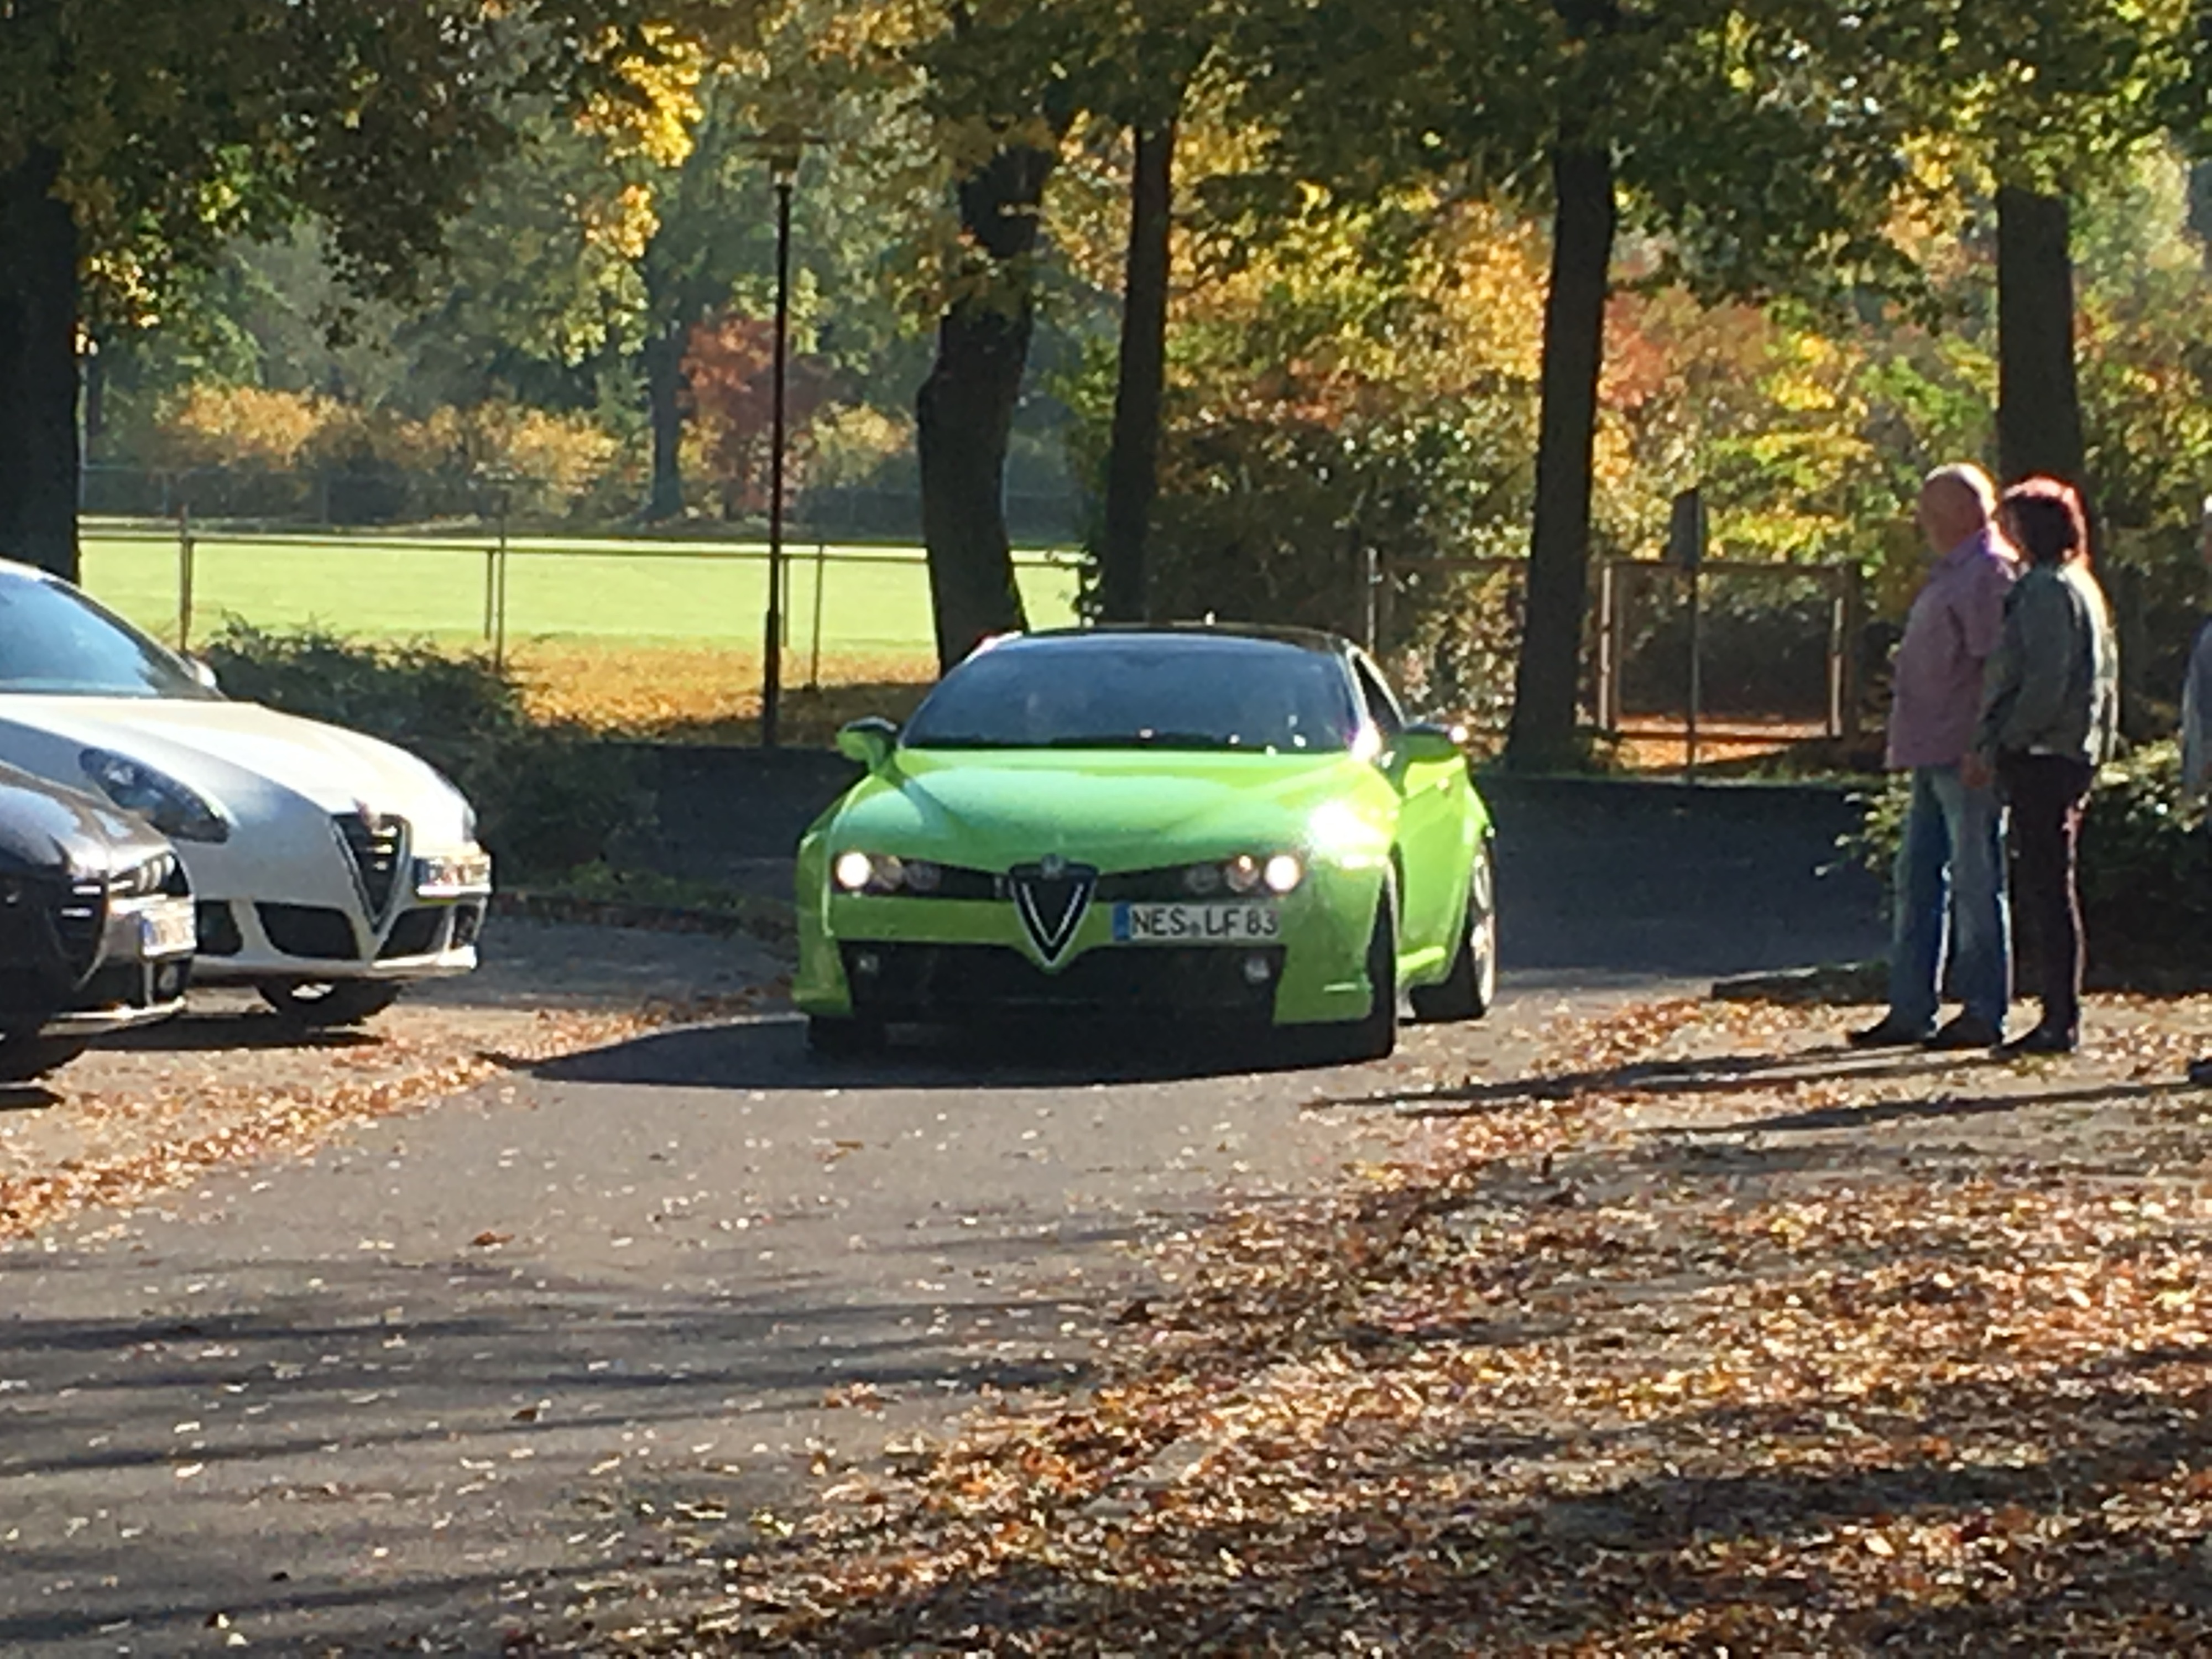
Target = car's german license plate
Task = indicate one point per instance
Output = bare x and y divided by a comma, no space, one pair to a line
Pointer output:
167,928
1196,924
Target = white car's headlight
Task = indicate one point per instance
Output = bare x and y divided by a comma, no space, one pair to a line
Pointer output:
176,809
455,877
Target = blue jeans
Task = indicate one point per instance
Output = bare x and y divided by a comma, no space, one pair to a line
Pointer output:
1950,900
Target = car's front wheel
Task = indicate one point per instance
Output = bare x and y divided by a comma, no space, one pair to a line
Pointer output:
332,1003
23,1058
1470,989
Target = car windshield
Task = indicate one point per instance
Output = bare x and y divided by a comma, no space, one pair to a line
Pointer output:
55,641
1142,691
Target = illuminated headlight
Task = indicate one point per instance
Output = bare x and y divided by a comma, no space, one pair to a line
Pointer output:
148,879
453,877
175,809
1244,876
880,874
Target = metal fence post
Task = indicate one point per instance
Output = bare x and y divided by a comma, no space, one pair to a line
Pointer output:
1850,677
1608,649
499,610
184,576
1370,571
814,658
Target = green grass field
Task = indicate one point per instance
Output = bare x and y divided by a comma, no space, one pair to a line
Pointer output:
874,601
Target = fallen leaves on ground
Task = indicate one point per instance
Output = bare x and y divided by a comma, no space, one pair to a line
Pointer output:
189,1114
1707,1336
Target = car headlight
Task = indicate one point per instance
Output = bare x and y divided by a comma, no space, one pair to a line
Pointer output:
454,877
879,872
148,878
1245,875
175,809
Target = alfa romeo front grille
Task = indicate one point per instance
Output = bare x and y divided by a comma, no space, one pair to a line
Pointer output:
377,849
80,924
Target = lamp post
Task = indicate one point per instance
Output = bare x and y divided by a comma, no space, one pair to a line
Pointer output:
782,147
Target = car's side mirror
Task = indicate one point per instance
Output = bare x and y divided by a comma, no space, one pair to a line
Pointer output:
869,741
203,672
1429,744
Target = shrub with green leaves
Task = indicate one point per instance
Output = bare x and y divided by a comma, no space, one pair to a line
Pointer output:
2146,863
549,796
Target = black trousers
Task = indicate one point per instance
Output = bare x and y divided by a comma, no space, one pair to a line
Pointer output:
2048,794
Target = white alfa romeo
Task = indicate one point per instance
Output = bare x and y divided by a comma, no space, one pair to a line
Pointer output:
329,868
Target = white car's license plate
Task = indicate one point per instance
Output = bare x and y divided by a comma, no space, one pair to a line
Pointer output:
1196,924
166,927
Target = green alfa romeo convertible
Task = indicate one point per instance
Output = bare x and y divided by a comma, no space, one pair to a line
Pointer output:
1211,825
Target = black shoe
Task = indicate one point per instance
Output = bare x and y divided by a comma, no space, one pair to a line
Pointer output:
2200,1072
1891,1033
1967,1031
2043,1039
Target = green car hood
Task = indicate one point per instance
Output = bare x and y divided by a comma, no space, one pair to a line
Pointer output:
1118,809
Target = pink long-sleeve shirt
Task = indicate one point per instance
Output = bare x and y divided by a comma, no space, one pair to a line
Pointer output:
1955,624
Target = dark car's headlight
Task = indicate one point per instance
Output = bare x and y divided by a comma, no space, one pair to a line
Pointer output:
175,809
148,878
1245,875
879,872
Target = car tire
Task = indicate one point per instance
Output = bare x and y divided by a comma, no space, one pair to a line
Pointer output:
328,1005
1470,989
831,1036
26,1058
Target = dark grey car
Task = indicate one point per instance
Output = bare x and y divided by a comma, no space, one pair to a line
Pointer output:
96,925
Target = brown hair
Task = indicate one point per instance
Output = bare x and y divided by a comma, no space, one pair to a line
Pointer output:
2045,518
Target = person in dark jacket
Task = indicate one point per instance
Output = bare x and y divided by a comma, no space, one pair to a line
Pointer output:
2050,713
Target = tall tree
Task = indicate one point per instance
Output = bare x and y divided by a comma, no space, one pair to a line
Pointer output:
1000,105
1729,126
137,135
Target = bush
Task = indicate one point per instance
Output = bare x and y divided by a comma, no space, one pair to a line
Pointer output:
549,796
2146,863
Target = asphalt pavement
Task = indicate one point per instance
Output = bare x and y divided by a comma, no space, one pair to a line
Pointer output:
436,1383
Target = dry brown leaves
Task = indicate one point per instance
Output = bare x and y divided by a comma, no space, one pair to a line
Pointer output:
1706,1336
166,1123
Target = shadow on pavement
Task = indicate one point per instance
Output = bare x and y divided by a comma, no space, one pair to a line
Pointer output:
772,1053
1724,1074
311,1390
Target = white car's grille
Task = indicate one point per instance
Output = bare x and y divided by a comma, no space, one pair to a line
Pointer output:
377,848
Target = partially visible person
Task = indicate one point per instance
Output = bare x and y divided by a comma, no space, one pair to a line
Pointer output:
1949,881
2196,735
2049,715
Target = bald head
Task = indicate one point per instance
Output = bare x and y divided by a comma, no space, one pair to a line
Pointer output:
1955,502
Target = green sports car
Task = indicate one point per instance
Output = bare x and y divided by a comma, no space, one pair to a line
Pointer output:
1221,824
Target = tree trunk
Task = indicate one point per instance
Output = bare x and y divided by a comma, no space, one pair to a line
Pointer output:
665,387
1549,682
964,413
2038,398
38,368
1133,464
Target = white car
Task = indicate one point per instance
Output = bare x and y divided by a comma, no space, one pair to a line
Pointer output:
329,868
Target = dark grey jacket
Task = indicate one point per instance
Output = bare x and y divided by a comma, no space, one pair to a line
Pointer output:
2053,684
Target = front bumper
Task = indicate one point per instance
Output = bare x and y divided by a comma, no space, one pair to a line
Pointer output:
246,941
133,975
962,960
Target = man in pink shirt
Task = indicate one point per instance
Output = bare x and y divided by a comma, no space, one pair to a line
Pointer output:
1949,882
